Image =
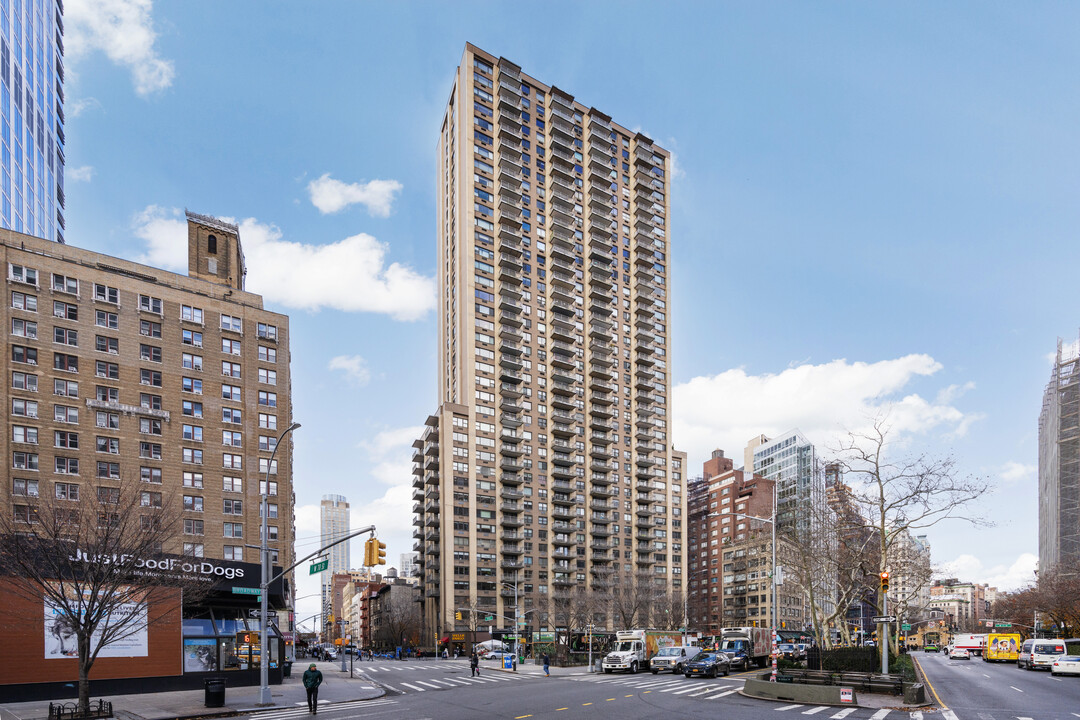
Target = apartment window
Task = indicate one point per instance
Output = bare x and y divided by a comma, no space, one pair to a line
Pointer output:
267,422
24,381
231,439
194,550
192,456
65,311
66,491
150,402
232,484
108,420
271,510
267,354
23,274
104,293
106,319
267,332
151,353
24,434
24,328
233,462
270,489
234,552
150,450
64,465
65,336
192,432
150,426
26,461
271,532
150,329
65,439
268,376
191,314
232,415
108,445
22,301
193,503
65,414
190,337
191,362
108,470
65,388
67,363
193,479
150,304
230,369
150,475
233,530
231,347
193,527
191,385
265,466
65,284
192,409
232,323
268,399
24,488
267,443
230,392
149,377
106,370
23,354
232,507
25,514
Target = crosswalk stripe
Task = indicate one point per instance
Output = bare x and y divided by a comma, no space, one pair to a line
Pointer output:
421,682
444,682
816,710
842,714
699,693
880,714
787,707
723,694
950,715
413,687
685,690
916,715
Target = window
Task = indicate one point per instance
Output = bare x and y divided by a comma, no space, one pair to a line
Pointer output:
268,376
22,301
267,354
67,491
234,462
265,466
65,311
150,450
24,488
234,552
104,293
193,479
267,443
191,362
267,422
150,377
65,388
233,507
27,461
232,323
234,530
230,392
24,381
232,415
232,484
191,385
24,434
270,489
231,439
194,550
151,353
24,328
150,475
193,527
65,439
108,420
20,273
65,414
106,370
191,314
271,532
192,456
150,304
67,363
108,470
151,499
105,319
193,433
23,354
108,445
231,347
267,332
64,336
62,283
150,402
271,511
268,399
65,465
153,329
192,409
150,426
25,514
193,503
230,369
190,337
211,244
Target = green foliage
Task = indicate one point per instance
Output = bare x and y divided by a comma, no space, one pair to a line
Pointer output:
904,666
851,659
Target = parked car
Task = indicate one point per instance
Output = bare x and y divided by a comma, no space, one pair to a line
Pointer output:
959,654
1066,665
1040,654
708,664
791,651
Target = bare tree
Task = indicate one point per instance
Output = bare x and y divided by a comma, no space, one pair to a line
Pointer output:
632,601
98,564
398,615
669,609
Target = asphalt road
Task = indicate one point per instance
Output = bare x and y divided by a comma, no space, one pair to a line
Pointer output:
977,690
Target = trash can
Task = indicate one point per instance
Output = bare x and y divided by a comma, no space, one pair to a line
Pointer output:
287,668
215,692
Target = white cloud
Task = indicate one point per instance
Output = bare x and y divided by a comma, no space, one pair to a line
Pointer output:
390,453
824,401
969,568
80,174
124,31
350,275
331,196
75,108
1014,471
354,367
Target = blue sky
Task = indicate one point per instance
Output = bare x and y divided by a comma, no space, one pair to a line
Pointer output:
873,210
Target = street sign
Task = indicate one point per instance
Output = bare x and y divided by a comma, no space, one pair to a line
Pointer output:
246,591
883,619
318,567
1003,625
905,627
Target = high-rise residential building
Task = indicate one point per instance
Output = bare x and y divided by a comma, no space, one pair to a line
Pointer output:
32,107
791,461
133,349
409,565
333,525
1059,464
547,468
910,574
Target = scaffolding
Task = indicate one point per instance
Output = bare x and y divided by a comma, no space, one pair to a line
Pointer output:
1059,463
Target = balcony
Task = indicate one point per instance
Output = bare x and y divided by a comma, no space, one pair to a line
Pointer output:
514,479
513,521
511,465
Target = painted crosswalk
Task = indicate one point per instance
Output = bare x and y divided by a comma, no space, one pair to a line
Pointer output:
297,712
432,682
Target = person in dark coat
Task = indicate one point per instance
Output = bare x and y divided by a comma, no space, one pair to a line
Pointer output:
312,680
547,664
474,664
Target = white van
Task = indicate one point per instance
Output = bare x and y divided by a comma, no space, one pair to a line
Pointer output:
1039,653
672,658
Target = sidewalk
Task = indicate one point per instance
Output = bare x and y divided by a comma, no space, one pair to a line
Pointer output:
337,687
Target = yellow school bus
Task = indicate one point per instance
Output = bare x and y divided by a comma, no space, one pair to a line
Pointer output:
1002,647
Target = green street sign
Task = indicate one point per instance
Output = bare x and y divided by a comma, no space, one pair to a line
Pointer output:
489,618
1003,625
319,566
905,627
246,591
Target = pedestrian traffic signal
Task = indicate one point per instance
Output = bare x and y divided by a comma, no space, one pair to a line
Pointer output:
374,552
884,581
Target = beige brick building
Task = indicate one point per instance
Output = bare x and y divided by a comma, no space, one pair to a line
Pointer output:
119,370
547,471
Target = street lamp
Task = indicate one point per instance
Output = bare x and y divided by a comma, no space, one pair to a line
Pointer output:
264,664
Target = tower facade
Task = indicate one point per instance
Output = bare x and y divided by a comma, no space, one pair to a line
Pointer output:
546,474
333,525
1059,464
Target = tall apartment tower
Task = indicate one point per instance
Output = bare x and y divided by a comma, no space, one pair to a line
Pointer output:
117,370
1059,464
333,525
547,468
791,461
32,134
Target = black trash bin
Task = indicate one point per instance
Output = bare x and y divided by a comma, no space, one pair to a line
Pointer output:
215,692
286,668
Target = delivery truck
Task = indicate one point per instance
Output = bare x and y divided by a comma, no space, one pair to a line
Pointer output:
747,645
1002,647
974,644
634,648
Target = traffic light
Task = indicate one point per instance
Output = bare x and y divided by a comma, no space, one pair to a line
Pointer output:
884,581
368,562
457,615
374,552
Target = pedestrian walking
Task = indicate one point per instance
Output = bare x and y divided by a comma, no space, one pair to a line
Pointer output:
445,654
547,665
474,664
312,680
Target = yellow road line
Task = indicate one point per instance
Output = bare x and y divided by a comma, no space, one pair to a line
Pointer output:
628,695
609,699
520,717
646,692
583,704
929,684
559,709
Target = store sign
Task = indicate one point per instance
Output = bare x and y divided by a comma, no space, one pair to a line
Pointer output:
60,640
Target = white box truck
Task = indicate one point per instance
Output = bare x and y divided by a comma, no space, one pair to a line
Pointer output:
634,648
747,645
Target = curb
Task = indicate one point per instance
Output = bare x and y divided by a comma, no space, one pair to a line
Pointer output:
248,710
